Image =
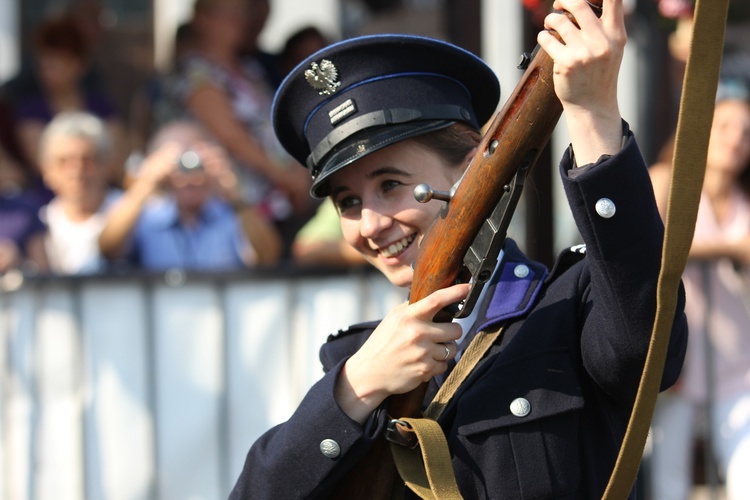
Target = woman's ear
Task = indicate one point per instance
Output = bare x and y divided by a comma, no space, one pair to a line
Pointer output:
465,164
469,156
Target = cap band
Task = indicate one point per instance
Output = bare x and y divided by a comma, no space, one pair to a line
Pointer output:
364,143
387,117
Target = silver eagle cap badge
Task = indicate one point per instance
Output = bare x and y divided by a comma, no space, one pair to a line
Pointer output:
323,77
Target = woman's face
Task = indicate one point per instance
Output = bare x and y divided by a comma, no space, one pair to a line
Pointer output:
72,168
379,216
226,21
729,146
59,69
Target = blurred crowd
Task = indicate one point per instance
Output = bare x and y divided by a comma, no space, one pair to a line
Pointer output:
194,178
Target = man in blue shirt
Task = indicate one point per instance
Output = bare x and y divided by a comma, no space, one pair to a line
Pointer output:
197,220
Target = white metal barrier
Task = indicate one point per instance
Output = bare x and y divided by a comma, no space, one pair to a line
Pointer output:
151,388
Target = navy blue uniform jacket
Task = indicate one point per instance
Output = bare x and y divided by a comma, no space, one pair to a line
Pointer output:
574,350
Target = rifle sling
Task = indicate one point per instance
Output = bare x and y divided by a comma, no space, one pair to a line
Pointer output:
427,469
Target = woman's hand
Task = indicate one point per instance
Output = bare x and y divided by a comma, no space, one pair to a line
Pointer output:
406,349
586,67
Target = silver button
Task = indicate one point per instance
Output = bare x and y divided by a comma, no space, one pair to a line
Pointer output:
520,407
605,208
521,271
330,448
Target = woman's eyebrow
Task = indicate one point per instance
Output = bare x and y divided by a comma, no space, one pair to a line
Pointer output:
378,172
388,170
335,192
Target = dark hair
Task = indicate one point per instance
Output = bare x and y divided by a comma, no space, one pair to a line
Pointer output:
296,48
300,36
61,34
452,143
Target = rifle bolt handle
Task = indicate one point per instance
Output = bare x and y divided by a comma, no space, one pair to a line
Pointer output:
424,193
491,148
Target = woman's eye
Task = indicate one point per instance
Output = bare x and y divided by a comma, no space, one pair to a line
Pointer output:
345,203
390,184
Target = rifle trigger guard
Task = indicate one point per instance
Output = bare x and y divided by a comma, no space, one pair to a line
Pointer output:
400,432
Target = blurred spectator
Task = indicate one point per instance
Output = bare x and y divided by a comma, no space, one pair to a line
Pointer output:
62,56
201,223
21,230
18,176
154,104
716,377
321,242
86,15
258,12
229,95
74,153
298,46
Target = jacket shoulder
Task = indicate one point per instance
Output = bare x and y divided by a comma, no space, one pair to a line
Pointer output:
366,326
567,259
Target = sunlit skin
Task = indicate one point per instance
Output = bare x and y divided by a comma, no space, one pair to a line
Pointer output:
379,216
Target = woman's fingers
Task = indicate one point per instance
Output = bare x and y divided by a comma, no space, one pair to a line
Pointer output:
429,306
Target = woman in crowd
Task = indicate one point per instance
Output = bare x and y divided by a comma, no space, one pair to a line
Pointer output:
230,96
717,285
74,154
62,58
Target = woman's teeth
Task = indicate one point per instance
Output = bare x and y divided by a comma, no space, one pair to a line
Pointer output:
396,248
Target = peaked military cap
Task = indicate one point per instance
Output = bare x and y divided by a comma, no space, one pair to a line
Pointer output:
362,94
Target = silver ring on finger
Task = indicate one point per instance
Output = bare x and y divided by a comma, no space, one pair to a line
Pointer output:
447,352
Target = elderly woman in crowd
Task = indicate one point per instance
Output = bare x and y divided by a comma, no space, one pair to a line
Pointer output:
74,155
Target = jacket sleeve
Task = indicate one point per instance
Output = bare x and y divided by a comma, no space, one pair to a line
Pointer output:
289,461
615,211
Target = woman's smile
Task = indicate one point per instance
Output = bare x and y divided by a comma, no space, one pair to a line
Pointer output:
397,248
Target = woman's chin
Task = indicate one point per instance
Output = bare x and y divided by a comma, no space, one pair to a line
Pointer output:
401,277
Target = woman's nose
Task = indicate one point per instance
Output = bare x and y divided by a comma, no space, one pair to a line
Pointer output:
373,222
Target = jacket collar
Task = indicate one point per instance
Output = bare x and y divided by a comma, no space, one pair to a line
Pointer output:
514,288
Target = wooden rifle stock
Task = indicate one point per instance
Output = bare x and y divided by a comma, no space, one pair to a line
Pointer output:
515,138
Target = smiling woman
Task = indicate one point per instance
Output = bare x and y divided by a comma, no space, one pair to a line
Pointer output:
379,214
544,412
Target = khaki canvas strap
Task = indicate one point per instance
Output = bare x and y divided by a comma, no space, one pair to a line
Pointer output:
693,130
427,469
